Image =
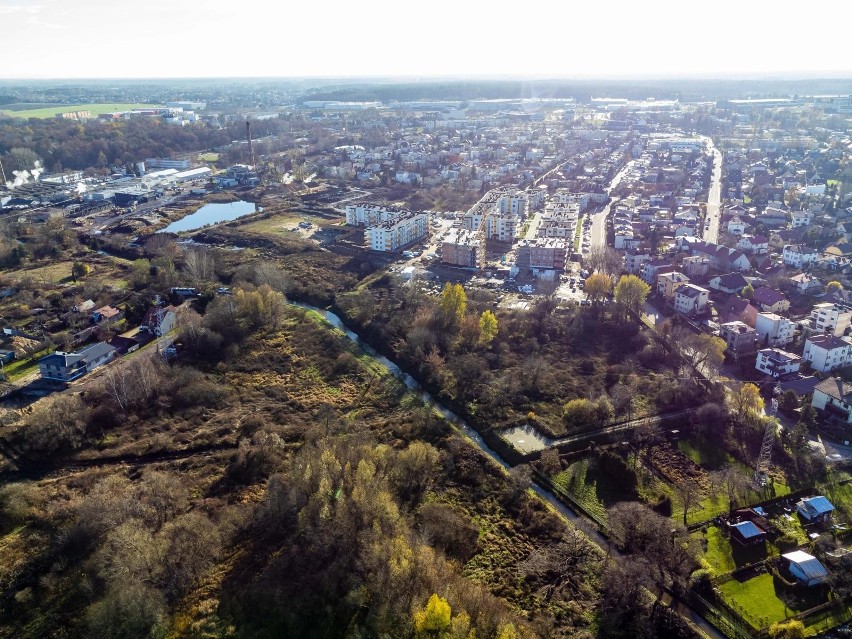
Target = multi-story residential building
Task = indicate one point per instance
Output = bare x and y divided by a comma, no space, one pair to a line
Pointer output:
798,255
668,283
633,261
774,330
397,232
690,299
542,253
775,362
463,247
65,367
370,214
831,318
696,265
740,338
827,352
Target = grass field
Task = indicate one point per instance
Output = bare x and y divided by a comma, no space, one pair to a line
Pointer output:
273,224
208,157
755,600
52,110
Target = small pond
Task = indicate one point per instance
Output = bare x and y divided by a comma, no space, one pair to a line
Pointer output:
212,214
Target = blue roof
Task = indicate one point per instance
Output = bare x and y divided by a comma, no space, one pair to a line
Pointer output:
817,505
748,529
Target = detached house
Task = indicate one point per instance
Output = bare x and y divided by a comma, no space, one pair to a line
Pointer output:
805,568
776,363
159,320
773,329
690,299
806,283
730,283
66,367
768,299
834,397
754,244
815,509
669,283
827,352
798,255
831,318
740,339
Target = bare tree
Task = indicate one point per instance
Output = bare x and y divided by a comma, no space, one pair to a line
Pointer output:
198,265
604,259
732,482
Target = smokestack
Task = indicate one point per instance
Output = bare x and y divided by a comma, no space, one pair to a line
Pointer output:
250,148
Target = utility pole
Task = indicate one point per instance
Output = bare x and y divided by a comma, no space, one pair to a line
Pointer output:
765,457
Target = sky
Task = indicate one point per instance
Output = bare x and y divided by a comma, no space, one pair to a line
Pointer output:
337,38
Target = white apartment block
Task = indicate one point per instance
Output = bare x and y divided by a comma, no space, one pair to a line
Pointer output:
633,261
368,214
798,256
691,299
831,318
397,232
775,362
773,329
827,352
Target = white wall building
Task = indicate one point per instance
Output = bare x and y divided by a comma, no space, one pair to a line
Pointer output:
827,352
775,362
397,232
798,256
691,299
773,329
831,318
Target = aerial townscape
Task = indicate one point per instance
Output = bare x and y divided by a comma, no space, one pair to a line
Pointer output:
374,356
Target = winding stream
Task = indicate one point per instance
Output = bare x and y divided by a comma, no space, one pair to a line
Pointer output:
445,412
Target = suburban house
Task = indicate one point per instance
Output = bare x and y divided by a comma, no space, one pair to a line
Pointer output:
106,314
828,317
834,396
747,533
801,218
159,320
754,244
768,299
827,352
815,509
668,283
737,309
740,338
633,261
690,299
736,226
806,283
729,283
65,367
773,329
652,268
805,568
777,363
798,255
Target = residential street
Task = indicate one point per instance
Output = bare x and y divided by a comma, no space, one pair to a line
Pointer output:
599,219
714,197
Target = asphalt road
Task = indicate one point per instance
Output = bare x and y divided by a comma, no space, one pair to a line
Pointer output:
599,219
714,197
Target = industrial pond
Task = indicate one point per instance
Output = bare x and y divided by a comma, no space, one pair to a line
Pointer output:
212,214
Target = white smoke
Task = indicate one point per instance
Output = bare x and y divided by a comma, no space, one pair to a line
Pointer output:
22,177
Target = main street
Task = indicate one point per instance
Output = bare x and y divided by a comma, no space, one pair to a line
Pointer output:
599,219
714,197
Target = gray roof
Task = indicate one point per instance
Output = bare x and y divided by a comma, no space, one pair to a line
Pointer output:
808,564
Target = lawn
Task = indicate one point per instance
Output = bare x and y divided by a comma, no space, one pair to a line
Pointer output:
49,274
21,367
208,157
755,600
718,553
589,487
703,453
52,110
